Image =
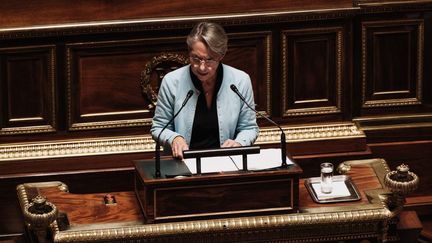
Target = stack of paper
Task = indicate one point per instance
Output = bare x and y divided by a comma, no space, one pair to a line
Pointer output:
266,159
339,190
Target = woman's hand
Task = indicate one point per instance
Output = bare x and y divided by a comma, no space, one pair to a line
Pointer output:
178,145
230,143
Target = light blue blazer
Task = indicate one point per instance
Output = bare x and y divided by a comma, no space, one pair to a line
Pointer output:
236,120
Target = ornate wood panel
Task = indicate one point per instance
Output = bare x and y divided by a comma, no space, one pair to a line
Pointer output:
104,82
103,77
27,86
251,52
392,63
312,72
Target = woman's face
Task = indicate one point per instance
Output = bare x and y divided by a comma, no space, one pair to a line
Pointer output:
204,63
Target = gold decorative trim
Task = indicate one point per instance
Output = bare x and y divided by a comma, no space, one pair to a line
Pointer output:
26,130
267,63
339,73
311,111
72,148
397,182
391,102
147,90
135,144
310,133
417,100
363,63
39,214
110,124
146,87
373,218
400,182
420,53
380,166
105,124
22,194
394,122
355,222
69,84
340,47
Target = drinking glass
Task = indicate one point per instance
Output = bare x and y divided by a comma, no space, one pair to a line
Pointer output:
326,177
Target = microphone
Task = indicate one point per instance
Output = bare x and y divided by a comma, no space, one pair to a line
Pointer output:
157,151
283,140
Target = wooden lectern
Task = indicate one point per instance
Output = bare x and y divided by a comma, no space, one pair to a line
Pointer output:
91,219
185,197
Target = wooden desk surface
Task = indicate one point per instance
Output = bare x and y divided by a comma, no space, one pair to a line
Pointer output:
92,221
84,209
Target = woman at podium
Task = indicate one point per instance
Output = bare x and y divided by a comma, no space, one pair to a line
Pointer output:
197,107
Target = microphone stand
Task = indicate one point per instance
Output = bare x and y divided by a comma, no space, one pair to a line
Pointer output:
157,161
157,150
283,147
283,137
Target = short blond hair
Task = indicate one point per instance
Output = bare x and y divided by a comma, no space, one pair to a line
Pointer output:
211,34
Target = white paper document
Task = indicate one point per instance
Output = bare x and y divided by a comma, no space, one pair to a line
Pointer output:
212,164
266,159
339,190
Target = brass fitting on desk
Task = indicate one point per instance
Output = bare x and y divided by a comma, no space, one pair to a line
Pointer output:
343,168
400,182
39,215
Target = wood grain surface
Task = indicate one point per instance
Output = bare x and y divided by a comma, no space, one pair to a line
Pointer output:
42,12
90,208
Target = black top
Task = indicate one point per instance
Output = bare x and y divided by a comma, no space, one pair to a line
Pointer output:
205,129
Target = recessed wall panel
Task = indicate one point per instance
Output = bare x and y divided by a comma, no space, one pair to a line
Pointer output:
392,63
104,82
312,71
251,52
27,90
108,83
104,78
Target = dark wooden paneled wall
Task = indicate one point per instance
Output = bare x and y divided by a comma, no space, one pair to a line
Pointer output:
72,71
16,14
348,67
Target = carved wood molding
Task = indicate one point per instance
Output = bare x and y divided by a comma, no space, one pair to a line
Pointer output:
169,23
262,80
136,144
114,119
391,3
155,65
26,130
417,121
45,121
233,229
73,148
187,22
151,66
317,109
356,222
416,97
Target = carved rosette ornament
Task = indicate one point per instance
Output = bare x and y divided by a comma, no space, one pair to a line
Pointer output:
400,182
161,64
39,215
